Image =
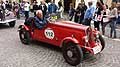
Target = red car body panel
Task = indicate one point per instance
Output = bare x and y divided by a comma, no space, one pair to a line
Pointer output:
62,31
56,33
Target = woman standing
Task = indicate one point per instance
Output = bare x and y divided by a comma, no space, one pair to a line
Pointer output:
98,15
60,9
78,13
113,17
35,7
43,7
71,12
105,21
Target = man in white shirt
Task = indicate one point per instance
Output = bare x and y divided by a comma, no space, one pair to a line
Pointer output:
27,9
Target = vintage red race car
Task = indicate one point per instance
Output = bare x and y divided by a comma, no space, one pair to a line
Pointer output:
74,39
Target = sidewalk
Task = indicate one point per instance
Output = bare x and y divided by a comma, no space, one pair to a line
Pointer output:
118,26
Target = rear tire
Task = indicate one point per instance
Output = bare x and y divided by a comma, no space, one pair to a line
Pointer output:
12,24
72,53
24,36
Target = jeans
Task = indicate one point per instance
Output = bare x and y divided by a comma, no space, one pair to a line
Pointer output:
104,24
113,28
18,15
87,22
22,12
71,17
76,19
96,25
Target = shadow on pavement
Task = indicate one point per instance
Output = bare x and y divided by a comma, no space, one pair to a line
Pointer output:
4,26
46,46
88,58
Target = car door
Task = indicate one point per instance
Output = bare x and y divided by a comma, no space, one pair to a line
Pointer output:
38,34
52,34
47,34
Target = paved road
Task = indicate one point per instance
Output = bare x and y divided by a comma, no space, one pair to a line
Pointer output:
14,54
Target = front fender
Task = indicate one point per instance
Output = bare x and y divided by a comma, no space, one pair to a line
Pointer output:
69,39
23,27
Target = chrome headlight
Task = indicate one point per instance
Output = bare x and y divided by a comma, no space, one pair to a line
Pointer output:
86,39
97,35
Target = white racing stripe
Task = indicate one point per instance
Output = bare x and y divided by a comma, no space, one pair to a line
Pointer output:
9,20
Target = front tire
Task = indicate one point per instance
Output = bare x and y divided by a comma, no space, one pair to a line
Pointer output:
24,36
102,42
72,53
12,24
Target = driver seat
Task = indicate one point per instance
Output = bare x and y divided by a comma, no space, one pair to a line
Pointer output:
30,21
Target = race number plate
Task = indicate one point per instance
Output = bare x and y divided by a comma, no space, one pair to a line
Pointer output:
49,33
96,49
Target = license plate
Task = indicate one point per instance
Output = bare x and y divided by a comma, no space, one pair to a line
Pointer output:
96,49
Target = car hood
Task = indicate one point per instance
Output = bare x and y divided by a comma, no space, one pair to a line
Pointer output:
71,24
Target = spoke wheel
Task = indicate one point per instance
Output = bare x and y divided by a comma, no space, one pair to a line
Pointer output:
24,36
12,24
101,42
72,53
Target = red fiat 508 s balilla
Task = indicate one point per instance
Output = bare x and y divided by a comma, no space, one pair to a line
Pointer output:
72,38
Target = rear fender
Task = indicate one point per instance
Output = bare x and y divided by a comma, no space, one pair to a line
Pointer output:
69,39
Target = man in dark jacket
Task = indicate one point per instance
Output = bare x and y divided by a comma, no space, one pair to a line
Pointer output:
7,5
78,13
71,12
35,7
52,8
40,22
83,10
43,7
